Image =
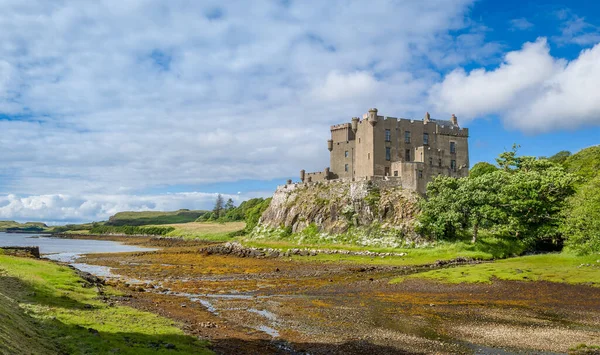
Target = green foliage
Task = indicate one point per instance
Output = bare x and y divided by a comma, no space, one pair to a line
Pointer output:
373,197
522,200
218,210
153,217
482,168
560,157
253,214
131,230
582,223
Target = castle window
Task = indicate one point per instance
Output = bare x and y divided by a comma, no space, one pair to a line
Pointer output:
407,155
430,161
440,163
387,171
453,165
346,154
452,147
425,138
406,136
388,135
388,153
395,172
345,167
420,174
368,156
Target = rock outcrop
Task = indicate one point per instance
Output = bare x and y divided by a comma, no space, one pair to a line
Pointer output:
377,208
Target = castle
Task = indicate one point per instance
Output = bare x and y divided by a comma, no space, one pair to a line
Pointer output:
406,152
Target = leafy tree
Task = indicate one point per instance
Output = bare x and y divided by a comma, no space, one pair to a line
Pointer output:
509,160
482,168
582,222
560,157
533,198
229,205
523,199
218,209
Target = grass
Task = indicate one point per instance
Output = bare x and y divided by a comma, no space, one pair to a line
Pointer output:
556,267
205,230
485,249
47,308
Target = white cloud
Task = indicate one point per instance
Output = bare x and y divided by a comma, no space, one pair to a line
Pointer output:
62,209
530,90
338,86
117,97
575,30
520,24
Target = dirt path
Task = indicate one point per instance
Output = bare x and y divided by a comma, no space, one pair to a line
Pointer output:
280,306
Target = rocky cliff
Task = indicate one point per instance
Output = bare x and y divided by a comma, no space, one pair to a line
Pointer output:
363,212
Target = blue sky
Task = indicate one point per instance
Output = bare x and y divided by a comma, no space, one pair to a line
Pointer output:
136,104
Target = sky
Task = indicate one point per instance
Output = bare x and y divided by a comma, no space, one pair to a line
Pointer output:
114,105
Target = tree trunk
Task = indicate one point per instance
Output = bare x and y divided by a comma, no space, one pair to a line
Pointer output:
475,231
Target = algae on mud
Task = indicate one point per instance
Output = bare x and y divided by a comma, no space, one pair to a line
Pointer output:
348,307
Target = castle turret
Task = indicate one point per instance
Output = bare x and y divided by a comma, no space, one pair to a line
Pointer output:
302,174
355,124
427,118
454,120
373,116
330,144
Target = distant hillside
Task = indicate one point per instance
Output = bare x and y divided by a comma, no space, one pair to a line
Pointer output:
12,226
153,217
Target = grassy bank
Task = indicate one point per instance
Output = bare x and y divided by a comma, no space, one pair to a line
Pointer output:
47,308
205,230
556,267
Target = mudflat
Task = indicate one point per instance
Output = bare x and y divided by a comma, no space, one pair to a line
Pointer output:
295,306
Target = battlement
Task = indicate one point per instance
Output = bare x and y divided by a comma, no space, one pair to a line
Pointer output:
340,126
403,151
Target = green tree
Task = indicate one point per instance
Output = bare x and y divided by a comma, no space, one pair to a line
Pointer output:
482,168
523,200
533,198
509,160
229,205
560,157
218,209
582,222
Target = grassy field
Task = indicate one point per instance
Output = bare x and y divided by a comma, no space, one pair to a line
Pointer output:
206,230
47,309
556,267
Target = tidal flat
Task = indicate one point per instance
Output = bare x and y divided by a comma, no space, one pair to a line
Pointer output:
304,305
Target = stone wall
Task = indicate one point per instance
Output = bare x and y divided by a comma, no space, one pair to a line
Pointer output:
28,252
